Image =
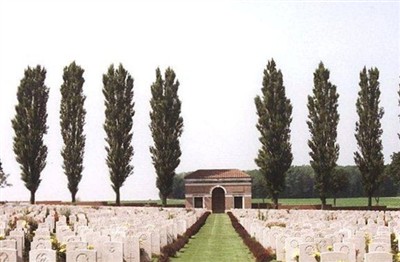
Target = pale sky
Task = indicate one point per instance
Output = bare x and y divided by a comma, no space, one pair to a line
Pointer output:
218,50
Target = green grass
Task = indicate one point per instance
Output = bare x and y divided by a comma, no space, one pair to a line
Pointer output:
216,241
158,202
391,202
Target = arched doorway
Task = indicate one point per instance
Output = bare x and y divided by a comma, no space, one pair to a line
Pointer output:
218,200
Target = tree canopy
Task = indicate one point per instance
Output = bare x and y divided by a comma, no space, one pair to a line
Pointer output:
29,125
369,157
118,95
72,121
274,112
323,120
166,128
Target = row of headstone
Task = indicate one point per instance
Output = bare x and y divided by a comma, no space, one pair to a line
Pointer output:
92,234
296,235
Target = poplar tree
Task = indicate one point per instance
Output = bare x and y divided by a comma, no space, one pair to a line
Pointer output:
29,125
3,178
166,128
394,168
274,112
323,121
369,157
118,94
72,120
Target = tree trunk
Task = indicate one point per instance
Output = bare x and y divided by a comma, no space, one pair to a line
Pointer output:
164,201
73,198
32,197
323,203
370,201
117,200
334,201
275,201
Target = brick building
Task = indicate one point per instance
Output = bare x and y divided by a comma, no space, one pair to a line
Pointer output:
218,190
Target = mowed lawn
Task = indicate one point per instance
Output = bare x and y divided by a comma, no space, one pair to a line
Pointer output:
216,241
391,202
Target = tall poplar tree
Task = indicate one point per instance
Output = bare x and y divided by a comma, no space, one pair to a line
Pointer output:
3,177
323,121
274,112
166,128
394,168
118,94
72,120
369,157
29,125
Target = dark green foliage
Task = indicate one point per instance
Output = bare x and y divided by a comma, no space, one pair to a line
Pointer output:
178,187
369,157
323,120
72,120
394,168
258,184
166,128
118,95
300,182
3,178
339,182
274,112
29,125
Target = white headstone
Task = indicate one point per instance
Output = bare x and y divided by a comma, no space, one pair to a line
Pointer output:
131,249
334,256
378,257
42,255
112,251
81,256
7,254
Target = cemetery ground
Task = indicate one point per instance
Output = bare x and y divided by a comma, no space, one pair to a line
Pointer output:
216,241
389,202
63,233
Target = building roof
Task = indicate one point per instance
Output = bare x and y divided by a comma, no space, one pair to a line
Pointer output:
217,174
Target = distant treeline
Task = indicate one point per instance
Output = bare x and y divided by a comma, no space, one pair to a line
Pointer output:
300,184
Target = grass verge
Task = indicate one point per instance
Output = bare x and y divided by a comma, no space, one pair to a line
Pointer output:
216,241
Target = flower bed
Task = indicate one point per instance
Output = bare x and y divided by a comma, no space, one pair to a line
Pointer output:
260,253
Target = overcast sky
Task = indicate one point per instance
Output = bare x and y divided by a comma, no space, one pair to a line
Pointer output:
218,50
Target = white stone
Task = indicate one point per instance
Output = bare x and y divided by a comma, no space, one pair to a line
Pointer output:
334,256
19,241
280,247
379,247
291,248
131,249
306,252
112,251
145,244
378,257
41,244
347,248
81,256
71,246
155,242
8,255
42,255
8,244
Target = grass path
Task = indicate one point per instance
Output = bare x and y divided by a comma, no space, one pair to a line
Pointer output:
216,241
